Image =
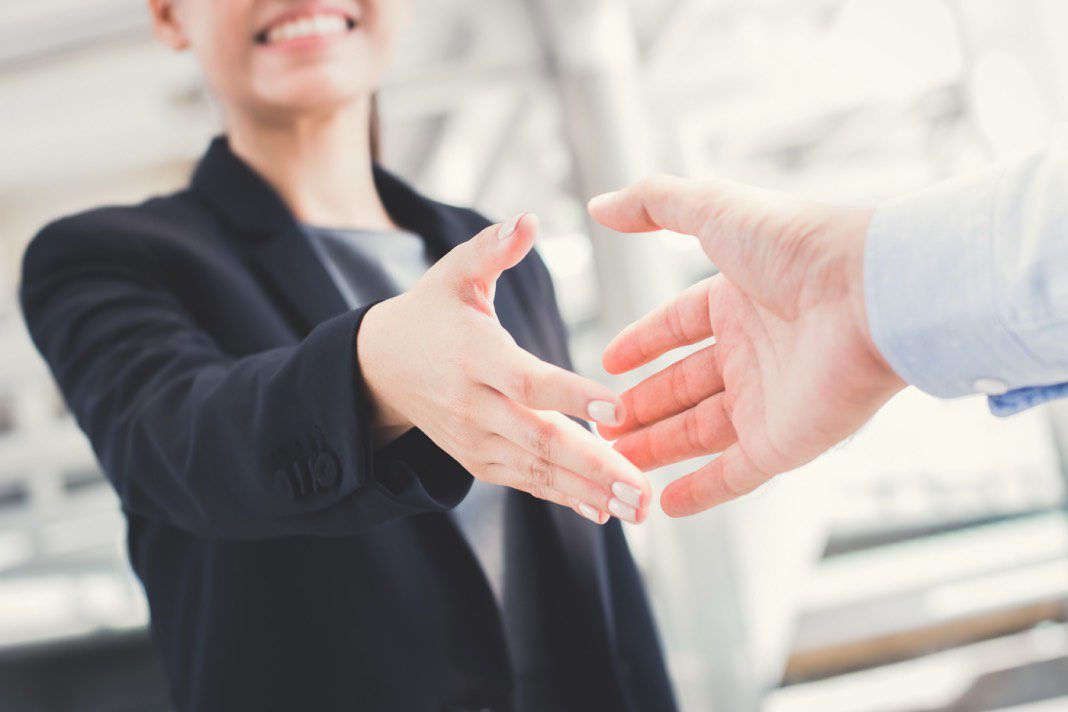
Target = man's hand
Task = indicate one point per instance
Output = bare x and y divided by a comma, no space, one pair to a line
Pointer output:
792,369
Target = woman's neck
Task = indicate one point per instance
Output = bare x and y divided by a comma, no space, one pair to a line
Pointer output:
320,165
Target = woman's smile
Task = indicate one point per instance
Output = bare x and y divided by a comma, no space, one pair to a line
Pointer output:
310,25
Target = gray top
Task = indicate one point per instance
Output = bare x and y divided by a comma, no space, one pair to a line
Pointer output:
369,265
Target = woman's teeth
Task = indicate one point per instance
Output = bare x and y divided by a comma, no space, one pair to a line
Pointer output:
315,26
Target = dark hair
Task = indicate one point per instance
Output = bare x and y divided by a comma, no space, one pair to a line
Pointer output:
376,136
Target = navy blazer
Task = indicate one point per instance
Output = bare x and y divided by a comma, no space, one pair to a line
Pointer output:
288,564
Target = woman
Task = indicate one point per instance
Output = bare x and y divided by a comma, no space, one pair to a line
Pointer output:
290,398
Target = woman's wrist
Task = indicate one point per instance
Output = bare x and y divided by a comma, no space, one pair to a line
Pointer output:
374,363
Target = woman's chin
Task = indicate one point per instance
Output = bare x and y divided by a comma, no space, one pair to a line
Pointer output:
311,98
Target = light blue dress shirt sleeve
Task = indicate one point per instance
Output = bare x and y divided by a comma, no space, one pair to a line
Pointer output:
966,284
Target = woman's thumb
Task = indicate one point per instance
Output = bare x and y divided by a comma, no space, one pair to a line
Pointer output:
495,249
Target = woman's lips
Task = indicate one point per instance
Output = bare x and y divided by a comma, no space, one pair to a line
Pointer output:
307,26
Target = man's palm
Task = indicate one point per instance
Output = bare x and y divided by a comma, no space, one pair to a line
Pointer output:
791,370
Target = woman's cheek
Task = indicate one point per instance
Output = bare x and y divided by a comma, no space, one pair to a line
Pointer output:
386,21
225,60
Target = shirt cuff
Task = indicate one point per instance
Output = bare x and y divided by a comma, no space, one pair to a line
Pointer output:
1023,398
930,292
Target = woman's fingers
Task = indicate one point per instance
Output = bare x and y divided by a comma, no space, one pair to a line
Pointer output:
587,512
536,384
507,477
728,477
500,474
702,430
682,321
677,388
558,440
547,480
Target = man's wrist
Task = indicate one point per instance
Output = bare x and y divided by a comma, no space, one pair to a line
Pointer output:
854,238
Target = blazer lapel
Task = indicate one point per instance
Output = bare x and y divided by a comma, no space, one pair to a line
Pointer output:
269,237
288,264
583,547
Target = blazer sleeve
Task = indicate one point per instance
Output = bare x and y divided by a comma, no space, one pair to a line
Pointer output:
273,444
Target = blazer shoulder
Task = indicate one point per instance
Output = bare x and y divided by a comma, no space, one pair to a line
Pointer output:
108,232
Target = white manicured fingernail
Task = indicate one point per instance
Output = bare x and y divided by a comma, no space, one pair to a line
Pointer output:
623,511
627,493
603,412
589,512
508,229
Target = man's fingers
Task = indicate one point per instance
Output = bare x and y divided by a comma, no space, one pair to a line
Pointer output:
474,266
701,430
741,228
728,477
682,321
679,387
656,203
528,380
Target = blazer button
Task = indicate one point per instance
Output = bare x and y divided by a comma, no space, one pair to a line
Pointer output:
327,470
281,481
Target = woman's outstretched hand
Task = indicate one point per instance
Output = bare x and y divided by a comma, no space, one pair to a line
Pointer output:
437,359
793,369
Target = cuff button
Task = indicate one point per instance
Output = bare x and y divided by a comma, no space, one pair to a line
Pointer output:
327,469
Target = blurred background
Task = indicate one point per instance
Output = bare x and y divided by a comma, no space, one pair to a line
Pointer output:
922,566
